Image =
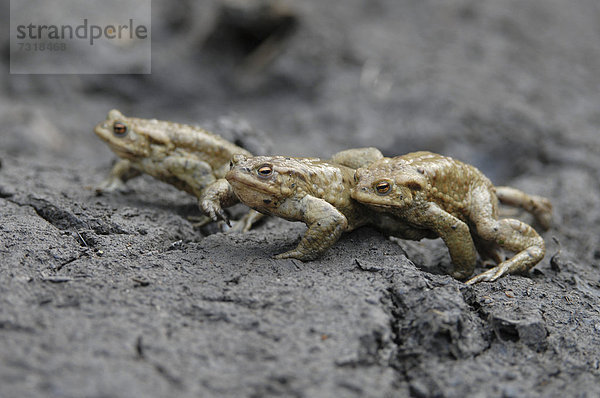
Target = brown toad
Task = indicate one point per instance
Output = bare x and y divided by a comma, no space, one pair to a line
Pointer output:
459,204
187,157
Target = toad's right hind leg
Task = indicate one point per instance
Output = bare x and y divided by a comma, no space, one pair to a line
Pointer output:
538,206
515,236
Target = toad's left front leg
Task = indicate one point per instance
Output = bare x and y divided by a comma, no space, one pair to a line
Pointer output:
215,197
325,226
513,235
220,195
121,172
455,234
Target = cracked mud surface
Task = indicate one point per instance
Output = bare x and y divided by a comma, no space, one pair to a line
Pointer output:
118,295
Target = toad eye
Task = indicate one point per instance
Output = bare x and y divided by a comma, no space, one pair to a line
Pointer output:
264,171
120,129
382,187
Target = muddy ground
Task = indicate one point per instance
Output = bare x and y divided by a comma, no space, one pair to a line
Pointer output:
120,296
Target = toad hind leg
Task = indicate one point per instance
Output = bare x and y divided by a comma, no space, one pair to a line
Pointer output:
325,226
194,173
516,236
540,207
356,157
199,221
245,223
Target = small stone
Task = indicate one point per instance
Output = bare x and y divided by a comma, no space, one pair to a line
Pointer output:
530,331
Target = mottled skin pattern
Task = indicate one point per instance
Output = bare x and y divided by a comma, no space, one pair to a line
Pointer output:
459,204
187,157
313,191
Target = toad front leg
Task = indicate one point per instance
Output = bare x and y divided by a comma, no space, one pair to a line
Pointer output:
217,196
220,195
121,172
453,232
325,226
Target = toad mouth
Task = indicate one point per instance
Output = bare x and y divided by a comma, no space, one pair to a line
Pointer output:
122,152
368,202
242,181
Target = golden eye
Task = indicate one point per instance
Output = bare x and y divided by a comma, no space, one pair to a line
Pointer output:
265,171
120,129
382,187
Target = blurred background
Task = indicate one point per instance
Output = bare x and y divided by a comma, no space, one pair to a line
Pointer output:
119,295
510,86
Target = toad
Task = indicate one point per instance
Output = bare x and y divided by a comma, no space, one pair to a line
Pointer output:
187,157
457,203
